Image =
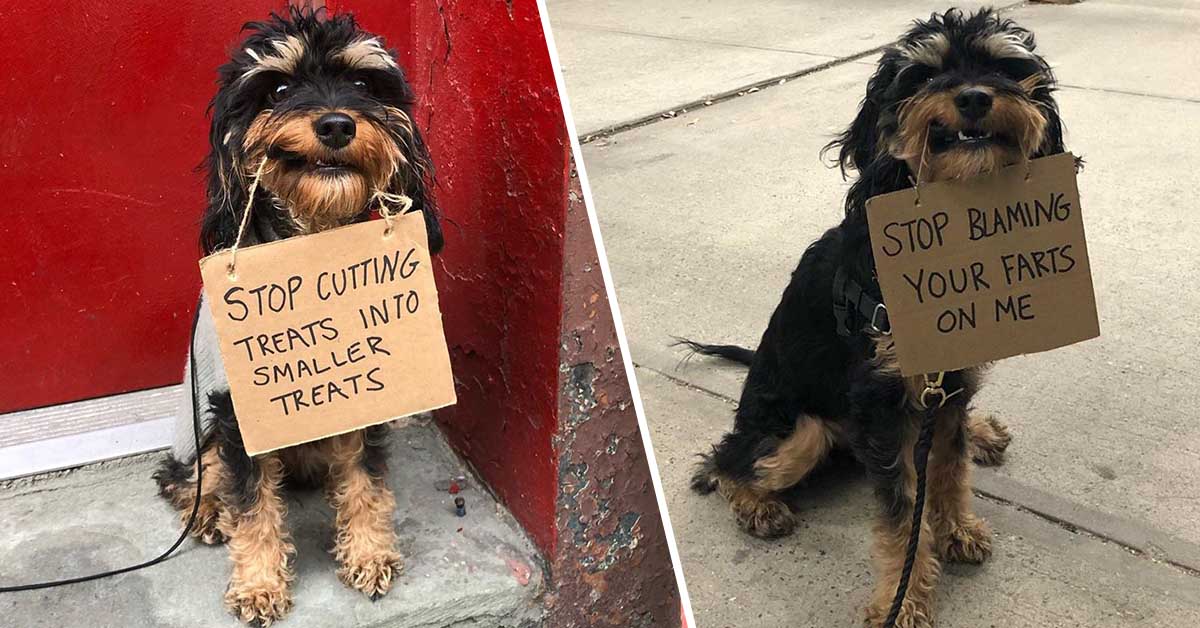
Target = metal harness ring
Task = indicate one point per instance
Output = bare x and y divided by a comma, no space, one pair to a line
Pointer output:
875,320
939,391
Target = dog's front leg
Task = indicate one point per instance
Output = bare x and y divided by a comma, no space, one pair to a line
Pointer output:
365,546
959,535
896,486
259,545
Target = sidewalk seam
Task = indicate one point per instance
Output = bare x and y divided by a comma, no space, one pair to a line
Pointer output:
686,384
724,96
1071,526
1126,92
689,40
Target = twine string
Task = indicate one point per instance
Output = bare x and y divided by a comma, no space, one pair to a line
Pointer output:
920,167
403,200
245,217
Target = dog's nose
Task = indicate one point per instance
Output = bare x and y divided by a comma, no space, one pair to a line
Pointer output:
335,130
973,103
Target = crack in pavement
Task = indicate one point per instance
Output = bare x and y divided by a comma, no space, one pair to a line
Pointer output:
721,97
1135,537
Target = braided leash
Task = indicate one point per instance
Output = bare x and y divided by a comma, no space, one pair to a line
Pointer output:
920,460
933,389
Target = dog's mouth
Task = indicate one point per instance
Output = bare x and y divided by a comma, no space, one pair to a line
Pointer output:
325,165
943,137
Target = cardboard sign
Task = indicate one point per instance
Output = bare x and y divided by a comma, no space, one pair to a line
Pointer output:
986,268
329,333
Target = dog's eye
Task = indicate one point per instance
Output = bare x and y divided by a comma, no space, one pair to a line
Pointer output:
361,84
919,74
279,92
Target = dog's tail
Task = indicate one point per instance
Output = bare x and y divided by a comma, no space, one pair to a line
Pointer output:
733,353
705,478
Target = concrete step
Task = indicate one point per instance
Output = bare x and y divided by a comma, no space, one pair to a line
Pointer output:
479,570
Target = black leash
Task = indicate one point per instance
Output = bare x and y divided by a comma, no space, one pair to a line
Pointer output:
920,460
854,310
191,519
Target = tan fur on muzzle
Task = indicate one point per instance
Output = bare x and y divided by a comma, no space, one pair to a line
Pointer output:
317,201
1014,117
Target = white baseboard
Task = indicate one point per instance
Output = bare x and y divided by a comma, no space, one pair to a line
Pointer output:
83,432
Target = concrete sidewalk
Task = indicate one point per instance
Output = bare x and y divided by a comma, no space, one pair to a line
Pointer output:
705,212
475,571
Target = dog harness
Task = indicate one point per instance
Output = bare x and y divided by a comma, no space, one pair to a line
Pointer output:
855,309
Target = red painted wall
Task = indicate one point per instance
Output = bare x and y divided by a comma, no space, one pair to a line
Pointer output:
505,164
102,122
493,120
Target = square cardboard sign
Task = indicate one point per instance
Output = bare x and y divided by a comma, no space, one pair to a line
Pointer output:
329,333
978,270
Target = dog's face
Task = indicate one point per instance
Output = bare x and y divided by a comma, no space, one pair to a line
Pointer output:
956,97
323,108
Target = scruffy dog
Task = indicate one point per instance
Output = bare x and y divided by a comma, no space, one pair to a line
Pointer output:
956,96
329,110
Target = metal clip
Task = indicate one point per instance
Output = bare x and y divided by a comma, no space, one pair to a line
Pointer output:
933,387
875,320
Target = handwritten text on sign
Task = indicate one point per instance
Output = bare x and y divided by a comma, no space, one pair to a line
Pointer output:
984,269
328,333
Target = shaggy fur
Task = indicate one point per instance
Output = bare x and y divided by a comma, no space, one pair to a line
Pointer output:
956,96
329,109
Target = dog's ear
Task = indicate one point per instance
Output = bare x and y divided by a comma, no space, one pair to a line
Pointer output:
226,189
858,145
1053,142
421,192
1042,87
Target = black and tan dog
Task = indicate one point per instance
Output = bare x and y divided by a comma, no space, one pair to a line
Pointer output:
328,109
956,96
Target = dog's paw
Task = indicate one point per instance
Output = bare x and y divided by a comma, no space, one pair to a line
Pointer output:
989,440
210,536
206,528
373,575
260,605
913,614
969,542
765,518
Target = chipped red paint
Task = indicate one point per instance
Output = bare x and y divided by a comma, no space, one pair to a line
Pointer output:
611,537
492,118
102,124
